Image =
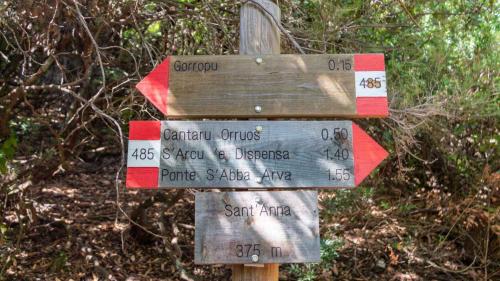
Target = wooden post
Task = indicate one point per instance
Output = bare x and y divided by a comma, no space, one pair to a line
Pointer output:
258,35
269,272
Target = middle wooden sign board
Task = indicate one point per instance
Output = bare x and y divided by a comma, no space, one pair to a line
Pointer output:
249,154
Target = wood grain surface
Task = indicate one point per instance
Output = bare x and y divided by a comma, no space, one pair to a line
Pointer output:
277,226
280,85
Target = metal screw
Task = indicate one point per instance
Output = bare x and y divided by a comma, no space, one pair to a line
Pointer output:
258,200
255,258
258,108
258,129
258,60
259,181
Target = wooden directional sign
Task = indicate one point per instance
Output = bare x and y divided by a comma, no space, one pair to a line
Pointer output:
269,86
249,154
256,227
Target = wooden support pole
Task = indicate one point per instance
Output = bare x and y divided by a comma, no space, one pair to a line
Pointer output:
258,35
268,272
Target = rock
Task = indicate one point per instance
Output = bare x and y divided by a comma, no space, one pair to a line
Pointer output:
381,263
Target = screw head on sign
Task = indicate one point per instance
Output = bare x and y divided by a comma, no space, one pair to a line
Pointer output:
258,129
258,108
255,258
258,60
258,200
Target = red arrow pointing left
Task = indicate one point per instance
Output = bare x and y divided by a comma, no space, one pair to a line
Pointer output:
231,86
155,86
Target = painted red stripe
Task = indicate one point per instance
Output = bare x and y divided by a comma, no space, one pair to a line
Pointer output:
144,130
367,154
155,86
146,178
369,62
372,107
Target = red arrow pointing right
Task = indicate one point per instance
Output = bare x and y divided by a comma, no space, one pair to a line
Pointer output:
367,154
143,171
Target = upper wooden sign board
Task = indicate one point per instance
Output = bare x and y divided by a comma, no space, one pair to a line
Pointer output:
269,86
249,154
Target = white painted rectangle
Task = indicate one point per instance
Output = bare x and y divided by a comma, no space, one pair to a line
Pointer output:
371,84
143,153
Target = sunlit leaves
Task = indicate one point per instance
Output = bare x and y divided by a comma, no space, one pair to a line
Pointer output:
154,29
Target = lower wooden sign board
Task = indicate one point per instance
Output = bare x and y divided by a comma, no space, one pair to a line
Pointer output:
256,227
249,154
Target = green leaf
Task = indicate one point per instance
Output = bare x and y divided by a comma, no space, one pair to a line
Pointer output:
7,151
154,29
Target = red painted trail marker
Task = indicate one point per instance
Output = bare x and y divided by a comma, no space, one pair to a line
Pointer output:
279,85
250,154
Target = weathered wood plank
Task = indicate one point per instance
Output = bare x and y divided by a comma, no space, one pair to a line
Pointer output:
250,154
280,85
258,32
278,227
267,272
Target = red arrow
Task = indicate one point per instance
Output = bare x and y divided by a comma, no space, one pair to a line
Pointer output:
367,154
155,86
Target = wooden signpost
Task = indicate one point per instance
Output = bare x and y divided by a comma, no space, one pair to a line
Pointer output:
256,227
249,154
260,228
269,86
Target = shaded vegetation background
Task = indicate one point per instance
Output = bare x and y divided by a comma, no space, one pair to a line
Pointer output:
67,74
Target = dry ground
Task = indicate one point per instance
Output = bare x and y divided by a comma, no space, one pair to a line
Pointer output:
76,235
